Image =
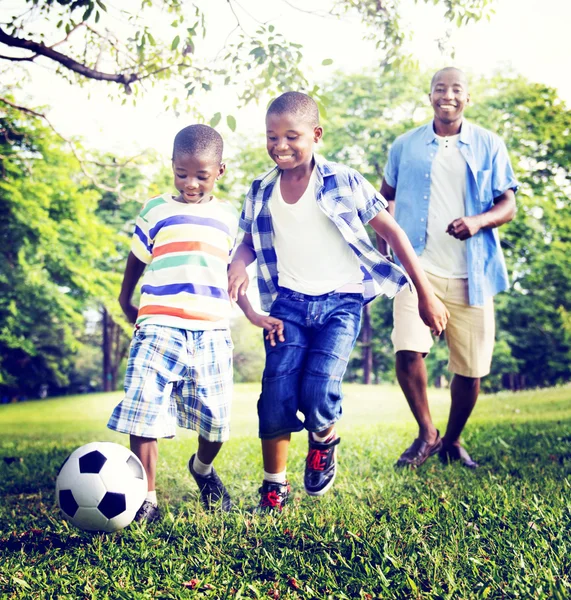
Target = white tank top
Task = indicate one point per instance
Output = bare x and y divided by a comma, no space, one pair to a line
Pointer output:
313,257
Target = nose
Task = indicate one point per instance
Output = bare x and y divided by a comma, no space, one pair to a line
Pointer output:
448,93
281,144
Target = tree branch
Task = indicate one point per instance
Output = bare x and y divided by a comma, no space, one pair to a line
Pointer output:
82,162
68,62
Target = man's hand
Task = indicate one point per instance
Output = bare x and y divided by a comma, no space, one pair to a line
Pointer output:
465,227
274,327
433,313
238,280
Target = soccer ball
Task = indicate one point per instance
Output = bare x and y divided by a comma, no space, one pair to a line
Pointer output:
101,486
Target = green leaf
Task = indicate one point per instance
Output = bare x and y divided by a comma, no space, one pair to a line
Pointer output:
175,42
327,61
215,119
231,122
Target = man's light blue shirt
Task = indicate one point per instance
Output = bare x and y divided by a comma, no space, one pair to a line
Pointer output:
488,175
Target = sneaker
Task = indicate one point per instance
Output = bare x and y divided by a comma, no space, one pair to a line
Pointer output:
274,496
320,466
148,513
212,491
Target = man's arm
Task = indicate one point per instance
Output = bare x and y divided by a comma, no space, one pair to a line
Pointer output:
388,193
503,211
133,271
431,310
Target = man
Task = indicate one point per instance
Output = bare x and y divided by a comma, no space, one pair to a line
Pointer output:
449,184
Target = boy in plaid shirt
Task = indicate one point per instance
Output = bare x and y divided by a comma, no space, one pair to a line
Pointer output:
180,362
304,223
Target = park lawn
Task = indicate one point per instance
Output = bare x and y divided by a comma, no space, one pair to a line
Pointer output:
438,532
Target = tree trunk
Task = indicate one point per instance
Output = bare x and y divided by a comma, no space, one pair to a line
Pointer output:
366,342
106,348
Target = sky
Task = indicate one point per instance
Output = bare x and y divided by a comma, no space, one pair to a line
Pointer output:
529,36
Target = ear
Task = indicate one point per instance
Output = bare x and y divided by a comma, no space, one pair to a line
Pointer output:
221,170
317,133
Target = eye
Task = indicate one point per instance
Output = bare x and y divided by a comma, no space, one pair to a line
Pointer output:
271,138
181,176
203,178
292,137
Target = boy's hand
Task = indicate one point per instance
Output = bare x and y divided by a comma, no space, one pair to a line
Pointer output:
434,314
274,327
131,312
238,280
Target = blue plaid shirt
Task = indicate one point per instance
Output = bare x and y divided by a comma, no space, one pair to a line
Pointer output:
350,201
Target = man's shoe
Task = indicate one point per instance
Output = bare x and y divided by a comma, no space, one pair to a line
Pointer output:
212,491
273,496
417,453
454,452
148,513
320,466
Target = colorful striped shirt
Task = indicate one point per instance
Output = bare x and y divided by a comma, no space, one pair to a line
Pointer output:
187,248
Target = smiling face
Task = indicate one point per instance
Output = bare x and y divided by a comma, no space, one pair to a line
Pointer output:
290,140
195,176
449,96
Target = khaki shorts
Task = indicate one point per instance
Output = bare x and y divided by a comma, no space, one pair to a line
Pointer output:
469,333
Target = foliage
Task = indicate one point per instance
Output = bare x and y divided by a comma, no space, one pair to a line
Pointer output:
145,44
365,114
435,532
249,354
54,252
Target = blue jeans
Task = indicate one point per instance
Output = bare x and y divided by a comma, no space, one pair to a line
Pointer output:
304,373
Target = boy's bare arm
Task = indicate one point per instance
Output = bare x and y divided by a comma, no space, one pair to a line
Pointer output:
388,193
133,271
431,309
237,276
274,327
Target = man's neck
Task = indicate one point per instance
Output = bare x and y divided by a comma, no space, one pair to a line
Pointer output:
447,129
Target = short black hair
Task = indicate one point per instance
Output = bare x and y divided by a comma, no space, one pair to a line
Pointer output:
298,104
445,70
198,139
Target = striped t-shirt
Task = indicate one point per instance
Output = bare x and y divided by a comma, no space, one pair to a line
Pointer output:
187,249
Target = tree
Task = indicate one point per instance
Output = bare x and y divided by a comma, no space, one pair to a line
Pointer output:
53,254
366,113
88,40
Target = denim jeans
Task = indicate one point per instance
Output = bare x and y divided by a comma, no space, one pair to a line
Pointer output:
304,373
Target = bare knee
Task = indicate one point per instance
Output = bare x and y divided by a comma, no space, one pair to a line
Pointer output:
408,361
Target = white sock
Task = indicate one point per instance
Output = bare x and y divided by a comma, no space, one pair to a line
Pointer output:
152,496
275,477
200,467
322,439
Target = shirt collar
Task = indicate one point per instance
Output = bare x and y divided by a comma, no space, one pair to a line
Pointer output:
465,132
324,168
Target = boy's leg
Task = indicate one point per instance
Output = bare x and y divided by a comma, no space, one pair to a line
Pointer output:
203,405
279,399
337,322
147,451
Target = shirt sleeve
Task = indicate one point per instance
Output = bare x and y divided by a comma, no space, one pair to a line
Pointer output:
368,200
391,172
141,243
247,216
503,177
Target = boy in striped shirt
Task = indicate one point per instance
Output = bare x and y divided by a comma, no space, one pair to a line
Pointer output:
180,363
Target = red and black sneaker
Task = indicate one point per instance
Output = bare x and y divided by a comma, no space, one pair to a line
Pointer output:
273,496
320,466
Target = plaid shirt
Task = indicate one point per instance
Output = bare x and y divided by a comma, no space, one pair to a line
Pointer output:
350,201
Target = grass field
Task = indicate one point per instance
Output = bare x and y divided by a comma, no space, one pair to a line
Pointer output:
438,532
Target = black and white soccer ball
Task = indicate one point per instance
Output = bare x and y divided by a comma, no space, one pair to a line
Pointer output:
101,486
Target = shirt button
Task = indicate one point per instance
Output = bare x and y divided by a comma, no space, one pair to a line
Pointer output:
426,174
420,239
422,219
426,197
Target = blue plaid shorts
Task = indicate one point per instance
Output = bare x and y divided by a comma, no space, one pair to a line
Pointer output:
176,376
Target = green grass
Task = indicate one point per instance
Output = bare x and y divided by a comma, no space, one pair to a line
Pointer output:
438,532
